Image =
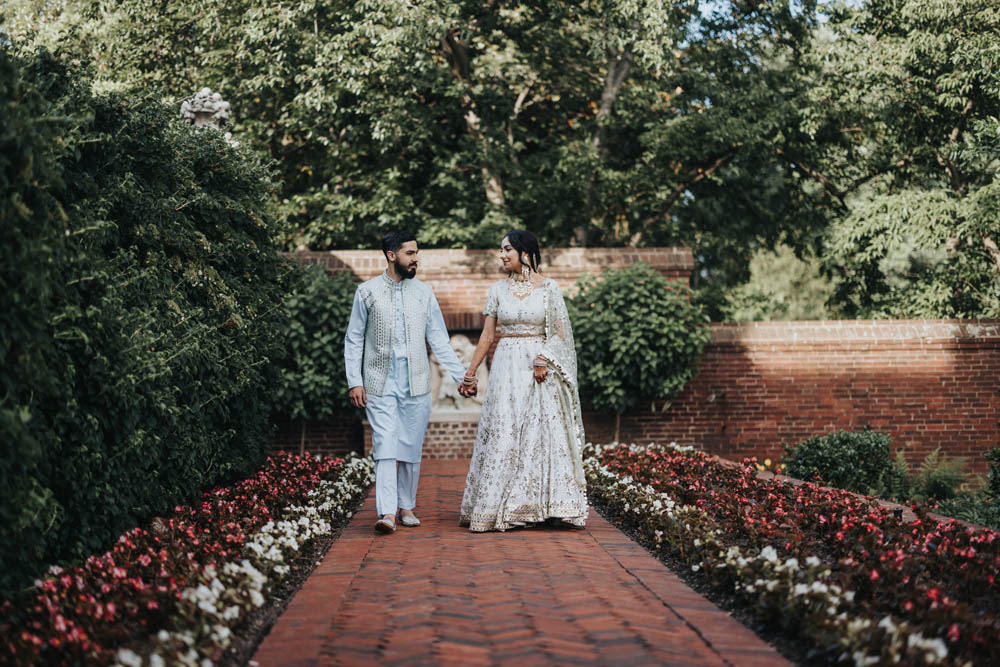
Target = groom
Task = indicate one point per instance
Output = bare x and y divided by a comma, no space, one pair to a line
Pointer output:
389,374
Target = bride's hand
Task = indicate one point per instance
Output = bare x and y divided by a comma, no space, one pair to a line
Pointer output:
541,372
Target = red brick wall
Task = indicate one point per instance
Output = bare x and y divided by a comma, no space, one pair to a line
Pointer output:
926,383
445,438
337,435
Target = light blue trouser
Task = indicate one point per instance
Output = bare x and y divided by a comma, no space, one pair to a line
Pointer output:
395,485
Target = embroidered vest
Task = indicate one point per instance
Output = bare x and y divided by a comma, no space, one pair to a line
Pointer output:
377,296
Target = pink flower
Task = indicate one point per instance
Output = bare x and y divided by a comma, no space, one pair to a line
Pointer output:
874,575
953,632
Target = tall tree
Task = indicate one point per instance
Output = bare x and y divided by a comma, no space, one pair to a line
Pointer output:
907,146
596,122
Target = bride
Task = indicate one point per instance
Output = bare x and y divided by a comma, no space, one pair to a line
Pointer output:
526,465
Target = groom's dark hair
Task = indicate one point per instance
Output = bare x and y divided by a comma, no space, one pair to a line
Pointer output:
525,243
394,240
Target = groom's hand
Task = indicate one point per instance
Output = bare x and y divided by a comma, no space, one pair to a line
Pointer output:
358,397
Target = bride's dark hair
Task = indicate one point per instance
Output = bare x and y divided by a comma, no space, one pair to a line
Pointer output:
525,243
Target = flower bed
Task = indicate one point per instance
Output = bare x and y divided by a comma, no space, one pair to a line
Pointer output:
842,571
170,593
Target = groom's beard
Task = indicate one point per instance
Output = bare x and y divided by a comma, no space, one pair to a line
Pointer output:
404,271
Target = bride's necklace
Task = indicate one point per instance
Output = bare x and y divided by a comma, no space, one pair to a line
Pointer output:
523,286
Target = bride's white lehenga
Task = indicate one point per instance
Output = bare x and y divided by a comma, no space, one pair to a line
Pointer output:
526,465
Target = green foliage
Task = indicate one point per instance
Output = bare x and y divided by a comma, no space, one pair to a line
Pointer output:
981,506
977,507
938,476
312,369
782,286
611,122
637,336
905,114
993,456
139,289
897,483
857,461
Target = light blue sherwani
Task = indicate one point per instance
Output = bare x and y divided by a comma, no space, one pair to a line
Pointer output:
384,352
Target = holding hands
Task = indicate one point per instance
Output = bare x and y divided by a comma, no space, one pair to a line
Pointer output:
469,386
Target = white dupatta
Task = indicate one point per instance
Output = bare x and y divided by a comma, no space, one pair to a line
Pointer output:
560,351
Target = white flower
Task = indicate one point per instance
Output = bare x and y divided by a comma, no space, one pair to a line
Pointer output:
695,568
769,554
862,660
129,658
156,661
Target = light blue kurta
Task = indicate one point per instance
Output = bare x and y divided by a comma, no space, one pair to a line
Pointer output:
398,419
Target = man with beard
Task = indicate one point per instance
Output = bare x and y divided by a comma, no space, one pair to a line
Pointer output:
389,374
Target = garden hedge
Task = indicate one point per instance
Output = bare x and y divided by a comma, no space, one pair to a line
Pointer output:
141,295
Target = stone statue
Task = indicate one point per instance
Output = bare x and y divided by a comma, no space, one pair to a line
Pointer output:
443,388
208,109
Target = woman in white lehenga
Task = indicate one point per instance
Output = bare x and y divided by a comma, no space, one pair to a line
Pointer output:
526,465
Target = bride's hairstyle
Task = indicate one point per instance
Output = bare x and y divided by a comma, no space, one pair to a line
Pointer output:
525,243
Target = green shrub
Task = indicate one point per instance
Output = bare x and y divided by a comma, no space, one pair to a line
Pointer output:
897,484
993,456
637,336
977,507
856,461
982,505
313,383
938,477
141,299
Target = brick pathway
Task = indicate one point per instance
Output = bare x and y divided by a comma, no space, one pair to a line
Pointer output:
438,594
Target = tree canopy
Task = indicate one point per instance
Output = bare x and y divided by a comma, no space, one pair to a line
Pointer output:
908,144
862,134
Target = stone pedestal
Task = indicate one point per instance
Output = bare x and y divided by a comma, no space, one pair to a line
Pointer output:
450,435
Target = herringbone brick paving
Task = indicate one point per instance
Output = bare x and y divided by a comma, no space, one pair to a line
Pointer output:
440,595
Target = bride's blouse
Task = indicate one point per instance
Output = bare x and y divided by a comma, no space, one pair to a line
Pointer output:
517,316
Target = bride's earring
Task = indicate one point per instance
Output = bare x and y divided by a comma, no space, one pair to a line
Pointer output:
525,272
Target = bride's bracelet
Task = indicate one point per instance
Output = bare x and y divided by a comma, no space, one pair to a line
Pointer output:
541,364
468,380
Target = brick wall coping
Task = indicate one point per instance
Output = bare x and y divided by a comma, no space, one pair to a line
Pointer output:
846,331
558,263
